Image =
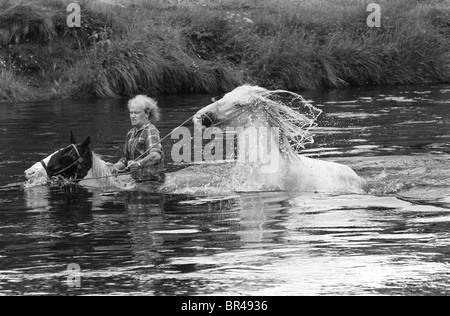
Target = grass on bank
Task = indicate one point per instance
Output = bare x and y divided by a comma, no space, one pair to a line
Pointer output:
13,89
198,46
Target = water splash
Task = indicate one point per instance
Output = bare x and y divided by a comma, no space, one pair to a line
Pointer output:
221,178
424,177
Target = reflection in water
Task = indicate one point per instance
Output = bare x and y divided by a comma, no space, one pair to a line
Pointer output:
266,243
392,241
147,239
191,228
37,199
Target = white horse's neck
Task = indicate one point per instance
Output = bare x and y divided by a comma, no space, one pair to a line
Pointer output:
259,142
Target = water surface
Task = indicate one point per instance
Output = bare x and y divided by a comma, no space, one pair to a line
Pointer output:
393,241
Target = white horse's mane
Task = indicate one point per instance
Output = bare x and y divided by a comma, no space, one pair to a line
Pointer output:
288,111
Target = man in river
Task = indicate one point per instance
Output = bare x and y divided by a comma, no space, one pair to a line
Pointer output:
142,152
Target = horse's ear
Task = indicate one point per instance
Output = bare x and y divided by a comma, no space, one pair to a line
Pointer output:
86,142
72,138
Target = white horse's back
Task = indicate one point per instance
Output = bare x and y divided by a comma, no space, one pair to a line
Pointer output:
314,175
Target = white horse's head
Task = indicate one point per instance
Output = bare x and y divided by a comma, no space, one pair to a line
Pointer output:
65,161
246,104
229,109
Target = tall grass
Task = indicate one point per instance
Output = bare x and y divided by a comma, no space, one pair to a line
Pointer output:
328,44
142,60
204,46
13,89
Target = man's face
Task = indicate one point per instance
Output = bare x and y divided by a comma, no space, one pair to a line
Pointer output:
137,115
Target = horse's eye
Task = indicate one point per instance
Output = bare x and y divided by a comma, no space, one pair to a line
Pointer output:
238,105
217,98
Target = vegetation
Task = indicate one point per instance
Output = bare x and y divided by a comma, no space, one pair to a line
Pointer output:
125,47
13,89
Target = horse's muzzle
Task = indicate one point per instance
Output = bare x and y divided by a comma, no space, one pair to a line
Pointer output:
207,119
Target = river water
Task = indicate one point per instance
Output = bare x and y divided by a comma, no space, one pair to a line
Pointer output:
395,240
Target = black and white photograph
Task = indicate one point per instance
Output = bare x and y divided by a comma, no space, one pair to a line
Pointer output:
228,154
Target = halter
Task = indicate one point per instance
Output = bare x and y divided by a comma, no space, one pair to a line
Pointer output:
76,149
79,158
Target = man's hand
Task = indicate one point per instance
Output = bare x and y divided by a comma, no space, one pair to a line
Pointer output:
134,165
154,157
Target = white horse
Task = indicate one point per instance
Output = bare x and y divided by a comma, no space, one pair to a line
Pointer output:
270,131
249,107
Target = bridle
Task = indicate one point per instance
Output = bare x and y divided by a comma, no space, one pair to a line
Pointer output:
79,159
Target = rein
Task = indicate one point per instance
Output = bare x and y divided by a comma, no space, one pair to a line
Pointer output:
96,178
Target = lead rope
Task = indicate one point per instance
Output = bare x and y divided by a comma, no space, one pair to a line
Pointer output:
153,146
242,111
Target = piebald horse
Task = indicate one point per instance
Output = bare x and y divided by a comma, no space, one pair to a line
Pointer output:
77,163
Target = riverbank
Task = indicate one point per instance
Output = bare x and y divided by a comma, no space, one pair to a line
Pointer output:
203,46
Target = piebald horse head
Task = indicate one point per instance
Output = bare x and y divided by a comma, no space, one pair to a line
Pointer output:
70,162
